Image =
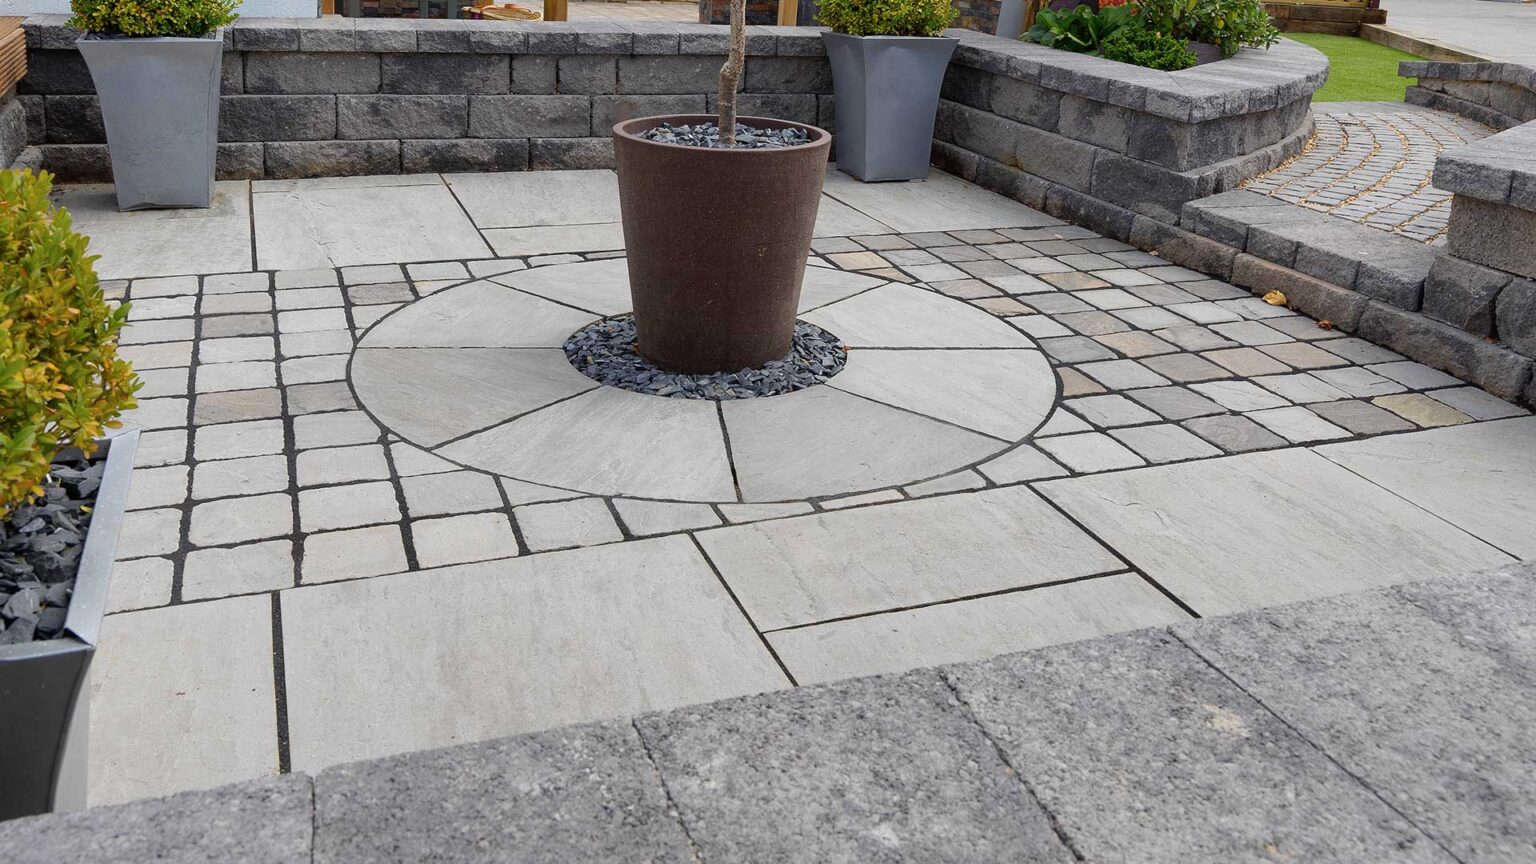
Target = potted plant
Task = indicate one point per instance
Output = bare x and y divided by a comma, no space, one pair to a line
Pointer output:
61,495
157,64
717,226
888,60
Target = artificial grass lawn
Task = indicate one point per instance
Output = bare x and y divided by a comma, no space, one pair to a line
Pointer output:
1360,70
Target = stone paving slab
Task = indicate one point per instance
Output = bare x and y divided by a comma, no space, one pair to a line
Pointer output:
1389,725
343,226
216,240
497,646
1230,534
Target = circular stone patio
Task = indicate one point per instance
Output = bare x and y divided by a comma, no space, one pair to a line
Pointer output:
476,374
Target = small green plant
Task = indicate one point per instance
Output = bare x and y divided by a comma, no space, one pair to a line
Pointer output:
1142,47
61,381
1080,28
887,17
1229,24
152,17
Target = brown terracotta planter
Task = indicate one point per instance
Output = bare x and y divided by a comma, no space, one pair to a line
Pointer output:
717,242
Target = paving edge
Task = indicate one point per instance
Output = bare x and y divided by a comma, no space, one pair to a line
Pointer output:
342,812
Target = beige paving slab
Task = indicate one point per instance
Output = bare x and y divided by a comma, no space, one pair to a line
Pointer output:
601,287
478,315
973,629
940,203
1481,477
836,219
523,198
813,568
1265,528
823,285
429,395
511,646
1003,393
182,698
905,316
162,242
555,239
823,441
628,444
316,225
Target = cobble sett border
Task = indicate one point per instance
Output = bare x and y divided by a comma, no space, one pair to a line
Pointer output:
1075,441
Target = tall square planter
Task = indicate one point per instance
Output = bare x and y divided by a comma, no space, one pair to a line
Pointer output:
887,91
160,104
44,701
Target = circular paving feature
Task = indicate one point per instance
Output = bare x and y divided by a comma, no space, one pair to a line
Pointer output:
606,352
478,375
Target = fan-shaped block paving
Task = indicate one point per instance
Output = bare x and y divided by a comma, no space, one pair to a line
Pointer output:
475,373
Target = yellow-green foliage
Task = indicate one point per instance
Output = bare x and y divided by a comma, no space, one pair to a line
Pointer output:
887,17
152,17
61,381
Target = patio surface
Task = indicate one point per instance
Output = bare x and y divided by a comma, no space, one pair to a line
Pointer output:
376,513
1372,163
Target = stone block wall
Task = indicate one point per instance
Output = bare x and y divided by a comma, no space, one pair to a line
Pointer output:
1501,95
337,96
1102,143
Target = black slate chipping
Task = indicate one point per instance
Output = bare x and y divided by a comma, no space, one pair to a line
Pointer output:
605,352
40,546
708,135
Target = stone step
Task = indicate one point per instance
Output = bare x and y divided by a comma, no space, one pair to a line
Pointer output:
1389,725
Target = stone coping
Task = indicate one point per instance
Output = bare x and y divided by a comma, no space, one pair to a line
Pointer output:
1500,168
1518,74
1164,741
1254,80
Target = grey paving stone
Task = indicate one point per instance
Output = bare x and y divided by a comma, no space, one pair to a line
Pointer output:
1185,367
1193,529
149,532
454,492
1164,442
462,539
1415,376
1122,374
1491,611
248,475
648,518
1477,404
348,506
332,429
233,520
1176,403
1297,425
812,568
1338,673
1089,452
258,820
1171,739
1137,343
1302,355
1192,337
353,553
234,406
158,487
247,569
1019,464
1076,349
826,774
1110,410
1358,381
595,777
1360,351
1361,418
1302,387
562,524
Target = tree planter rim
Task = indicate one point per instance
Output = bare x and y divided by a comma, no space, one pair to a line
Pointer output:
629,130
211,35
831,34
88,601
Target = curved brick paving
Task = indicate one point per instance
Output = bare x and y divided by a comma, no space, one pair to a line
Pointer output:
1372,163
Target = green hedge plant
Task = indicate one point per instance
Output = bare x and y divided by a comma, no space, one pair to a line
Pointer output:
887,17
1229,24
1142,47
61,381
1080,28
152,17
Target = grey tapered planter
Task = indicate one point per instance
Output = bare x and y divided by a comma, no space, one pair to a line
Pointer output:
887,91
44,697
160,104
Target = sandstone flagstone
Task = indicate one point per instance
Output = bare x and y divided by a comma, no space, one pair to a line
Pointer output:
478,315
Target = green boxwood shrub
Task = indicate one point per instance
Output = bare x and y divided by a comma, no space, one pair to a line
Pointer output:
1149,48
152,17
887,17
61,381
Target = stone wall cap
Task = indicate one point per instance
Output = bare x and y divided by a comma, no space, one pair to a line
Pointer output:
1500,168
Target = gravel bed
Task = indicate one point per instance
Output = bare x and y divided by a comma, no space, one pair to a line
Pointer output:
605,352
40,546
708,135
